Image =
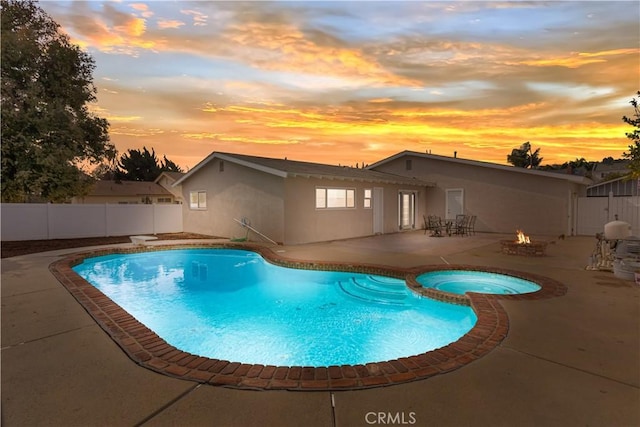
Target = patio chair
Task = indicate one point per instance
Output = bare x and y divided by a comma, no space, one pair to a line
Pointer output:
435,225
460,226
470,228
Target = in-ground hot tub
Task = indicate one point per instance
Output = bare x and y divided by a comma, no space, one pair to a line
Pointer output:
462,281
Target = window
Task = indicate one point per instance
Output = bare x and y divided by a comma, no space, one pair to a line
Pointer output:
221,166
408,164
367,198
198,199
335,198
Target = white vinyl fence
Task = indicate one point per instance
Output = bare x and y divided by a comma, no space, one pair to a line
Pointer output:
595,212
39,221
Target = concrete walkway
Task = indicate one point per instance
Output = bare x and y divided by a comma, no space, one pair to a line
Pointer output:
567,361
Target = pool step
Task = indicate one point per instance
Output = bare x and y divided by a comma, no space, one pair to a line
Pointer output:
376,289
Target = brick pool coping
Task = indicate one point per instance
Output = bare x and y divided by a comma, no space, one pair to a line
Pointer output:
147,349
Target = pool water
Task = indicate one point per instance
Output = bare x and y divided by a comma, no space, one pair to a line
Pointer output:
232,305
462,281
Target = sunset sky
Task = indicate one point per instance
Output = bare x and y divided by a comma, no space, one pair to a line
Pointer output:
353,82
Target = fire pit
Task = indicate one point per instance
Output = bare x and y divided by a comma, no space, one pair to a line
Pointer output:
523,246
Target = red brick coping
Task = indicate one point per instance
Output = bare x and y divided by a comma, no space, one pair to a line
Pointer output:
150,351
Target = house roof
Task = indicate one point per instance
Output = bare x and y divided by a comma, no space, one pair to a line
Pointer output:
174,176
291,168
127,188
621,179
533,172
615,166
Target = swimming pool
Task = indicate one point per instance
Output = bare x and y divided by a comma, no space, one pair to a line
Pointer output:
463,281
231,304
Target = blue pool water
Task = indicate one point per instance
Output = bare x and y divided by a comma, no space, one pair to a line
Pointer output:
462,281
233,305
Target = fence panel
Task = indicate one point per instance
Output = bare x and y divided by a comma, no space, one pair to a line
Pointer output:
595,212
167,220
129,219
24,221
36,221
69,222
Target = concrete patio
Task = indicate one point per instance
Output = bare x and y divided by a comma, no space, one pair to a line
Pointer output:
567,361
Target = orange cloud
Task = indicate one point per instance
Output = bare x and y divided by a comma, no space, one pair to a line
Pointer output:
285,48
580,59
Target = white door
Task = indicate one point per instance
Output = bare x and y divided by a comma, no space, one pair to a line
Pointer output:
378,210
407,209
454,202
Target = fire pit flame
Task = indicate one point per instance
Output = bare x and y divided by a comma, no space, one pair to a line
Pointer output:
523,246
522,238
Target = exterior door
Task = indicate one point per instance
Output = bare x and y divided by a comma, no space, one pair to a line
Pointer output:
378,211
454,202
407,209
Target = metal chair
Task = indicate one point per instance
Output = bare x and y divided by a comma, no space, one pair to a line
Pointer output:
460,225
470,228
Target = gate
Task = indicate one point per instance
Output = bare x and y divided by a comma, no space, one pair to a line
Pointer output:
595,212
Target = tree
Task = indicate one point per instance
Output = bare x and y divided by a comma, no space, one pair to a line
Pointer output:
524,157
48,132
136,165
633,155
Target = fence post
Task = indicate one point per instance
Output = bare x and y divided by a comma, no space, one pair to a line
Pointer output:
106,219
610,207
48,211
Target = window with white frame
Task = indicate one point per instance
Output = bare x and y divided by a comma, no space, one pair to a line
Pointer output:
335,198
198,199
367,198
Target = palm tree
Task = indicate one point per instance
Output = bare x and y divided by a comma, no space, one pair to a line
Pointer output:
525,157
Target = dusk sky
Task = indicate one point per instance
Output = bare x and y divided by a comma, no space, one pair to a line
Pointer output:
353,82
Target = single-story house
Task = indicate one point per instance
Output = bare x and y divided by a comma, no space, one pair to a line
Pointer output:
503,198
601,171
126,192
294,202
166,181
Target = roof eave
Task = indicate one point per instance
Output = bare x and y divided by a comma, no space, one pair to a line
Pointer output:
577,179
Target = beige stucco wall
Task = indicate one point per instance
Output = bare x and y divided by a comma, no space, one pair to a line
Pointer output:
237,192
304,223
503,201
284,209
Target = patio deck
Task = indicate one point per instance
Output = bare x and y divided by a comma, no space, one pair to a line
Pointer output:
567,361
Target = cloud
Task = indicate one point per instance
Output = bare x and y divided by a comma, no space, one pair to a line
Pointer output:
199,18
142,8
340,83
277,47
169,24
580,59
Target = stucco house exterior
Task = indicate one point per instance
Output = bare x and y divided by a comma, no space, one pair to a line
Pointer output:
504,198
294,202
